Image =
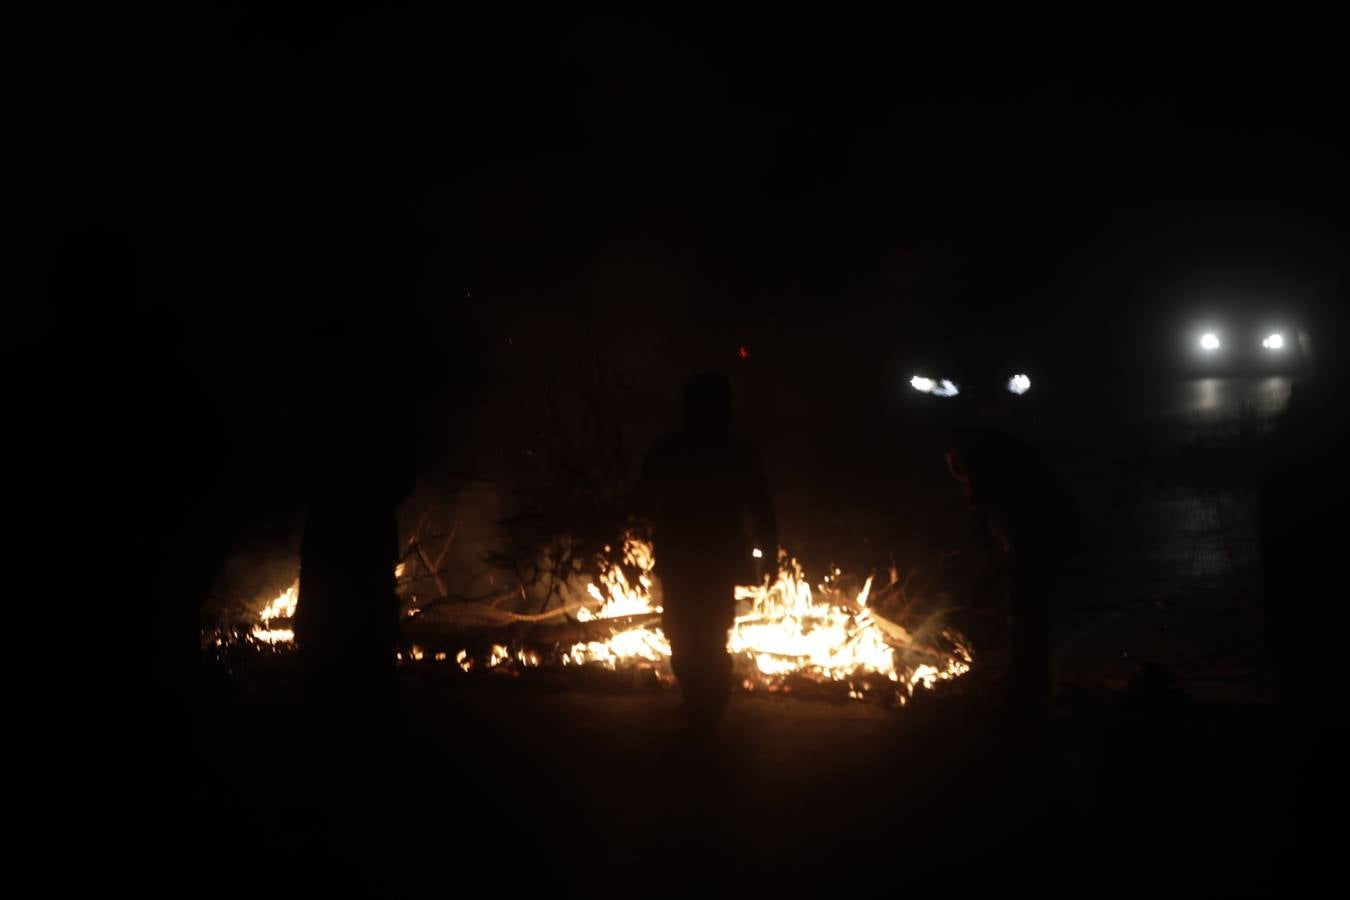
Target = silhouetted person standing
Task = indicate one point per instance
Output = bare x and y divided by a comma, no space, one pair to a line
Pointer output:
1023,505
698,487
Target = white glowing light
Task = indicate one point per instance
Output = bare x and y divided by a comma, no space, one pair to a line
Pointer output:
1274,342
1019,384
943,388
757,553
1210,341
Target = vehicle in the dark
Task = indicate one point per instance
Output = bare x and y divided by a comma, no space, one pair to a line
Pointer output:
1243,344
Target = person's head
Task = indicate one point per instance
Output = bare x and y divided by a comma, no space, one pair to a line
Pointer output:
707,403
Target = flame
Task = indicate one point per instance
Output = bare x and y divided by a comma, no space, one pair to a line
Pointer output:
281,607
781,629
619,598
785,630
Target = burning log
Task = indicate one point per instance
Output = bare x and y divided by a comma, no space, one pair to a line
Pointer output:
785,633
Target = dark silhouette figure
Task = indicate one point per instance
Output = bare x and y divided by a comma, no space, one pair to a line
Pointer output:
359,469
698,487
1021,504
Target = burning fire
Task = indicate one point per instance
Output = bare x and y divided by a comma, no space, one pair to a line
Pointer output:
782,629
620,599
281,607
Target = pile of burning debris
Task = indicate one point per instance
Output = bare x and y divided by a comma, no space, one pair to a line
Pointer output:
787,635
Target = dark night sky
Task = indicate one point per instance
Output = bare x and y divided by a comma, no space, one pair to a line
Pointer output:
673,186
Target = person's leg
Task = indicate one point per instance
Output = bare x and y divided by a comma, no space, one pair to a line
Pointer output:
698,640
715,682
695,668
683,652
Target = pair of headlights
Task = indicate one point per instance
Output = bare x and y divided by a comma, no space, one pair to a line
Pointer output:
1209,342
1018,384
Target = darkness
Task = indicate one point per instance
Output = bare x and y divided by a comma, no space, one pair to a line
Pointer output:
494,199
991,164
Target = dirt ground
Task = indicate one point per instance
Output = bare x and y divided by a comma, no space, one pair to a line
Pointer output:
1166,765
599,792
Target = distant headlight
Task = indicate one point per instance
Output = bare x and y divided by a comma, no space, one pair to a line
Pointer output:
1019,384
1273,342
942,388
1209,341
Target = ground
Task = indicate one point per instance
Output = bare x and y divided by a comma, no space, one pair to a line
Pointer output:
599,792
1165,763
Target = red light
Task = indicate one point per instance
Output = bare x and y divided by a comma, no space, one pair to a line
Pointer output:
743,351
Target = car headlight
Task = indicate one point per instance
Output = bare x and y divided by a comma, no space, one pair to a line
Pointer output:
1209,342
938,388
1274,342
1019,384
